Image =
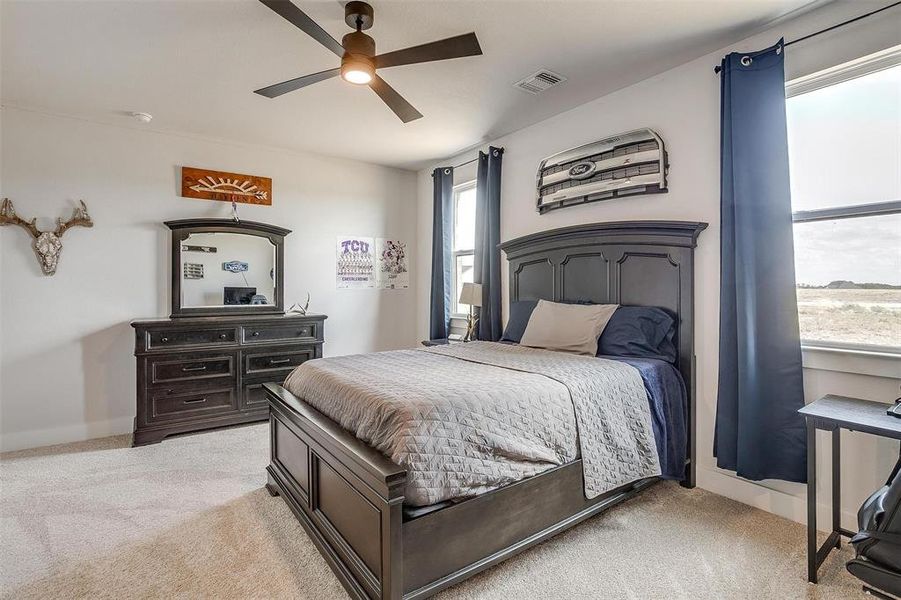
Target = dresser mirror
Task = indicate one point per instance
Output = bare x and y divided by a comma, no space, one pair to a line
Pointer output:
224,267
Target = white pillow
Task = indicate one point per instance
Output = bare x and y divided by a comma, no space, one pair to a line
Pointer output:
573,328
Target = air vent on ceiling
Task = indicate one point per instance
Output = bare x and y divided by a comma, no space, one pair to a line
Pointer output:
539,81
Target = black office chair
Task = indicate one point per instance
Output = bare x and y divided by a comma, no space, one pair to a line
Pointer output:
878,544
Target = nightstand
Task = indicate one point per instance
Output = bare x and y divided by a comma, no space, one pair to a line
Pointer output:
440,342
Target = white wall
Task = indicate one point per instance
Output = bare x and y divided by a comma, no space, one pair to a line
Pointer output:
66,362
682,105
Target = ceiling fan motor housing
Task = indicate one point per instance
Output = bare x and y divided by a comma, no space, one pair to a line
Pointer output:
358,43
359,49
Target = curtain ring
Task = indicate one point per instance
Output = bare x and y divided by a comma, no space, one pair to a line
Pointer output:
746,61
495,153
447,171
778,49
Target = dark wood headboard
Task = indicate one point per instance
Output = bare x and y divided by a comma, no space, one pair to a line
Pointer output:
637,263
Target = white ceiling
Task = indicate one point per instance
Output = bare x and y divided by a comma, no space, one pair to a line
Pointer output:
194,63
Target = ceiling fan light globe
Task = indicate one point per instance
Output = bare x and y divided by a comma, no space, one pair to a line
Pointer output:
356,77
357,70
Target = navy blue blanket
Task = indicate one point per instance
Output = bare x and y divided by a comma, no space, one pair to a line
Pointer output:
669,411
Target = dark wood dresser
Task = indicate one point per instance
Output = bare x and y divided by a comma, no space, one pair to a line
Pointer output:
205,372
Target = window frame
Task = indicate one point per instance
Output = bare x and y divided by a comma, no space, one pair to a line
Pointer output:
886,59
455,253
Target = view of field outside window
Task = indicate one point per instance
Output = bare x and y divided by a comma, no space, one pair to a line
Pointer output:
464,242
845,151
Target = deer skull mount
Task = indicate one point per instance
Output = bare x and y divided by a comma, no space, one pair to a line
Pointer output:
46,244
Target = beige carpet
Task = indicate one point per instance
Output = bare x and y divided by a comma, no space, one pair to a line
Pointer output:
189,518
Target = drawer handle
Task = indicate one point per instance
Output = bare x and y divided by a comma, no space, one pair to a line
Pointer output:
279,361
195,401
191,369
164,339
222,336
255,333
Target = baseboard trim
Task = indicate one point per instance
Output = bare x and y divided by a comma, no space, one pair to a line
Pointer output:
79,432
771,500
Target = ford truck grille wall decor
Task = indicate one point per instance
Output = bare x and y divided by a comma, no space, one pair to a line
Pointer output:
626,164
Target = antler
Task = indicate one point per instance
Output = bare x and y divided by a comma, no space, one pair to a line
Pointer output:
80,217
8,216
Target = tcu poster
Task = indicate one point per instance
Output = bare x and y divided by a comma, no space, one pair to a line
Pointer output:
355,262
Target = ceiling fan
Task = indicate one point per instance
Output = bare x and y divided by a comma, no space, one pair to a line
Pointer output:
358,58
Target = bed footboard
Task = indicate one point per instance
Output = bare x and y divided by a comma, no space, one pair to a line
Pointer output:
346,495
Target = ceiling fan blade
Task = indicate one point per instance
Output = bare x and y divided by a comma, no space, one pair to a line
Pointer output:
403,109
284,87
299,19
454,47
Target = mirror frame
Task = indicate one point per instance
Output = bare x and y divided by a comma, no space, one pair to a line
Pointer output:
182,228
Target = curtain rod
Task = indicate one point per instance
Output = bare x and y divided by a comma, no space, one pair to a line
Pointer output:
472,160
717,69
463,164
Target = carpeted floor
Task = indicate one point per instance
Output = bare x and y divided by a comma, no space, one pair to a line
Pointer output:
189,518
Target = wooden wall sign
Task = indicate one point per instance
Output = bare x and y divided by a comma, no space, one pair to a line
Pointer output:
227,187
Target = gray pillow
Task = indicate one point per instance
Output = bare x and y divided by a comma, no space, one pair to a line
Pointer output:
573,328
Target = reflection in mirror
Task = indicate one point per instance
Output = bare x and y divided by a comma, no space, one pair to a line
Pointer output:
227,269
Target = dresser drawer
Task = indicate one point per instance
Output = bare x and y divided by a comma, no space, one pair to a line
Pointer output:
276,363
254,396
161,339
165,370
281,333
175,405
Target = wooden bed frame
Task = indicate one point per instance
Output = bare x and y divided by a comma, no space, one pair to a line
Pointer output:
349,497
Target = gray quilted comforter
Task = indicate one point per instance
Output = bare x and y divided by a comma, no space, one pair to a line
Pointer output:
468,418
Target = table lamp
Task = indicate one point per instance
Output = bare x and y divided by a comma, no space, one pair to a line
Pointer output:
471,294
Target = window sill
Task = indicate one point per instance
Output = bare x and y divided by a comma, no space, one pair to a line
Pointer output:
852,360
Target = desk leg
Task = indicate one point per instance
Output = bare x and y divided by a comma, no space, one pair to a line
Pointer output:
837,484
811,503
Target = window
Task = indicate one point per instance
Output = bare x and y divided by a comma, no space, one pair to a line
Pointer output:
464,242
844,136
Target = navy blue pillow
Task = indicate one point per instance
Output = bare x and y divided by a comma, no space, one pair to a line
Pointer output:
639,332
520,312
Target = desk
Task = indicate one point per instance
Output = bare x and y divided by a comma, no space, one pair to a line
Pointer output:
834,413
